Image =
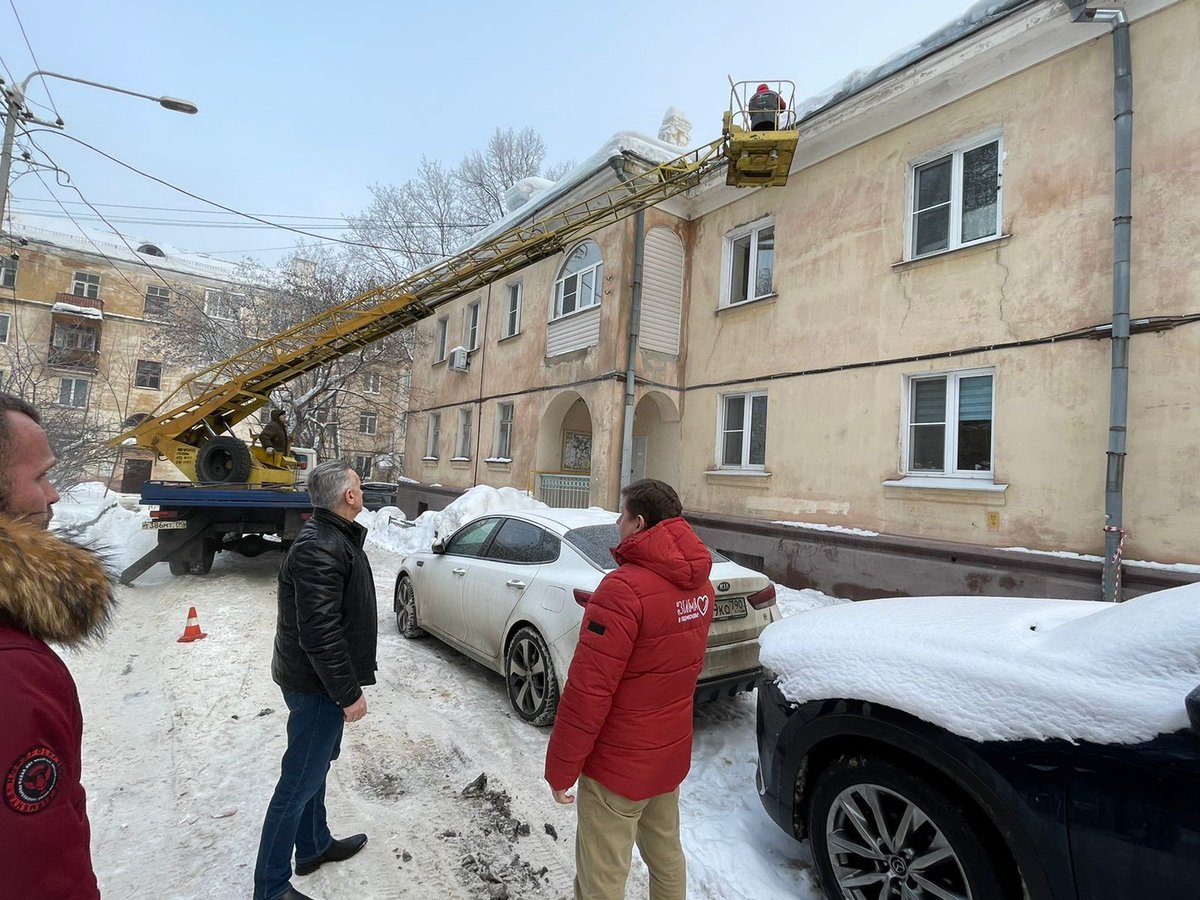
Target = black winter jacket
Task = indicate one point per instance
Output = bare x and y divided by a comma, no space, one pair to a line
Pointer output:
328,623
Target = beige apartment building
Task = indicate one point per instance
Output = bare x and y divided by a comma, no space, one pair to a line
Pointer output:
911,338
81,313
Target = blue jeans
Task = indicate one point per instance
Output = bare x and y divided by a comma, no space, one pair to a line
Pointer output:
296,814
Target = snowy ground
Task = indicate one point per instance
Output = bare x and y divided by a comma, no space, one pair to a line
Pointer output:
182,745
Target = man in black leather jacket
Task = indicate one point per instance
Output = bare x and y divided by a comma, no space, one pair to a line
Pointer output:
325,640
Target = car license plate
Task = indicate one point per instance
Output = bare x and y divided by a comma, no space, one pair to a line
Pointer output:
164,524
729,608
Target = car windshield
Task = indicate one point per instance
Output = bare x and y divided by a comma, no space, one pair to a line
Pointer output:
594,542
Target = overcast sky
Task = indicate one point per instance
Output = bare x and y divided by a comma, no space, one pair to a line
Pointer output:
303,105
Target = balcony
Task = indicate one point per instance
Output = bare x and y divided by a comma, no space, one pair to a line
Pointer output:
74,359
81,302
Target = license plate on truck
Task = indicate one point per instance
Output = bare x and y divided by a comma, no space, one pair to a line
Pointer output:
729,608
164,524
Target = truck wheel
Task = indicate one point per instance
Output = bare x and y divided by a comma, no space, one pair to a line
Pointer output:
223,460
208,551
179,566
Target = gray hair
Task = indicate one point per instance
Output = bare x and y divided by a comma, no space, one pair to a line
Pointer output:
328,482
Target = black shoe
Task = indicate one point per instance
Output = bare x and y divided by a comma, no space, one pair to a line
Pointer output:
294,894
337,851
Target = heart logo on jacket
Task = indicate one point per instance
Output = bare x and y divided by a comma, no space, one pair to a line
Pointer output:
703,604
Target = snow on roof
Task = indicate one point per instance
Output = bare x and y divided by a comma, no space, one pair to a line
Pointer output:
999,668
87,312
978,15
46,230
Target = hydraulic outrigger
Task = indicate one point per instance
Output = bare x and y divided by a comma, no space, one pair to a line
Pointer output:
193,428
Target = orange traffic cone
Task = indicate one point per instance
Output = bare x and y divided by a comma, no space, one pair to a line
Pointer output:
192,632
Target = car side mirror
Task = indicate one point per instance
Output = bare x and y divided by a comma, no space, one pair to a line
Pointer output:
438,546
1192,704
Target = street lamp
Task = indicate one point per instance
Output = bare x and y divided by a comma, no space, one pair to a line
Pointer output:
14,101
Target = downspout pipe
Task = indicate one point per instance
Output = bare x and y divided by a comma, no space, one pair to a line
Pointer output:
635,321
1114,482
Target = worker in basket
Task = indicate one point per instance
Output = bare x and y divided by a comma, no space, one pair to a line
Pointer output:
274,437
765,107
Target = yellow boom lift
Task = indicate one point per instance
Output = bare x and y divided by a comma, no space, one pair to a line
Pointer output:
193,428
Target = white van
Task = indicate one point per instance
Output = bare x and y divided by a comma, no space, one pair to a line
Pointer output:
306,457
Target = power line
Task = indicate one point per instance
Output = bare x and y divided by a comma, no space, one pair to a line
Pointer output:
228,209
207,212
36,65
11,78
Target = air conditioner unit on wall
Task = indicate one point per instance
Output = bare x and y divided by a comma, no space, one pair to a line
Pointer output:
458,360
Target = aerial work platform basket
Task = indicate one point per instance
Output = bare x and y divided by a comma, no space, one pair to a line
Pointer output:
761,128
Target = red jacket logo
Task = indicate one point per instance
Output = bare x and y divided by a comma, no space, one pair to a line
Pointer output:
692,608
32,781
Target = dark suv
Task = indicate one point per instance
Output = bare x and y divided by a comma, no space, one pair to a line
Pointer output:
378,494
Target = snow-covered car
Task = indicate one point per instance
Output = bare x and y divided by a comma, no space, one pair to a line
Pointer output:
508,590
970,748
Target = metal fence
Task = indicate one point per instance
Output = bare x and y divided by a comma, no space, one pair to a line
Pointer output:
570,491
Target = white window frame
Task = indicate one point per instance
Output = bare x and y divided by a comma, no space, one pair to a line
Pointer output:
86,284
137,375
955,151
8,272
6,319
950,447
440,331
72,402
368,422
161,302
502,445
372,383
218,301
471,325
512,310
747,410
363,464
464,434
66,336
596,270
753,229
433,435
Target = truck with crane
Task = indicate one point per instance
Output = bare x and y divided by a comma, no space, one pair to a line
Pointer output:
237,494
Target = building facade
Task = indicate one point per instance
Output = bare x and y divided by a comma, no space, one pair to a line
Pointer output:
912,337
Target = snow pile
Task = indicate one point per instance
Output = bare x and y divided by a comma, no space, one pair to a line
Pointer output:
107,522
840,529
792,601
1088,557
991,668
386,527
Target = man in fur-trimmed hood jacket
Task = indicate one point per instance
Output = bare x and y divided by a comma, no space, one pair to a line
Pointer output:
49,591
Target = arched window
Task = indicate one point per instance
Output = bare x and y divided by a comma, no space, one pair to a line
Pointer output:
580,281
136,419
151,250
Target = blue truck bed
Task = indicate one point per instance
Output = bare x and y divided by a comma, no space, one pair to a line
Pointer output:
184,493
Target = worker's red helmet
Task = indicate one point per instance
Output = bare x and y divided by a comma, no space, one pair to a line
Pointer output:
762,87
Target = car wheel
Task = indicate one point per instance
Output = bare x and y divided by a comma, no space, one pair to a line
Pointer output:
529,673
406,608
880,831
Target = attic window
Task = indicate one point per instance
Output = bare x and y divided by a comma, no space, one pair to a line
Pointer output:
151,250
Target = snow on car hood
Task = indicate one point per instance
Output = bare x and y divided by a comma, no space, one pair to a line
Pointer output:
990,668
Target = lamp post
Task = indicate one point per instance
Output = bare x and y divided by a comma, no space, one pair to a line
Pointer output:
14,105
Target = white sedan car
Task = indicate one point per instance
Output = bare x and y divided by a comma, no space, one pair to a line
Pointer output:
508,590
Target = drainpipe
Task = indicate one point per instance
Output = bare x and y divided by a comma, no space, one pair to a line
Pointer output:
635,317
1114,532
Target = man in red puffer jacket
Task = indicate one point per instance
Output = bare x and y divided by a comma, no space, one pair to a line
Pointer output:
624,723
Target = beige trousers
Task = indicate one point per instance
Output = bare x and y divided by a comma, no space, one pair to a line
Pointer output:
609,825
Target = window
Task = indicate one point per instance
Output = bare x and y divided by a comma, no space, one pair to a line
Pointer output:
470,540
956,199
948,424
73,392
743,430
372,383
362,465
439,339
8,272
512,311
523,542
434,435
749,263
368,423
158,301
464,433
220,305
580,281
504,424
471,326
149,374
86,285
5,318
74,337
